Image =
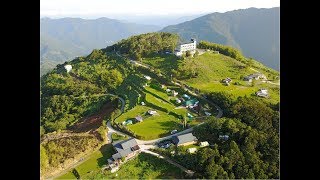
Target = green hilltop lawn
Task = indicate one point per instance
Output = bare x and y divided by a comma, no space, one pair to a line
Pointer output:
212,68
152,127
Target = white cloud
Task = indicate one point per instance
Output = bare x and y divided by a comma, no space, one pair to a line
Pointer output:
146,7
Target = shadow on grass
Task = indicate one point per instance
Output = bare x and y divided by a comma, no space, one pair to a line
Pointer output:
169,126
166,170
107,151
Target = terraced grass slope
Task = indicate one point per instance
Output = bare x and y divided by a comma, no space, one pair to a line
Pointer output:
158,125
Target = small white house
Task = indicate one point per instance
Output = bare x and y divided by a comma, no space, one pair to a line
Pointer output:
192,150
174,93
168,90
151,112
148,78
265,91
262,93
204,144
207,113
178,101
68,67
143,104
139,119
163,86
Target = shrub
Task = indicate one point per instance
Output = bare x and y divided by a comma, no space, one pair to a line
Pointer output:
75,173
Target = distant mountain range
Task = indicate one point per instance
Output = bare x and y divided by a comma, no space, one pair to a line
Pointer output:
63,39
255,32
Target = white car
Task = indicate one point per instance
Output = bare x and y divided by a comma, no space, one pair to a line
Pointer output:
174,131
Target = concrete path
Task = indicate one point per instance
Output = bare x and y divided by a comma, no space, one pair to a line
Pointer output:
111,130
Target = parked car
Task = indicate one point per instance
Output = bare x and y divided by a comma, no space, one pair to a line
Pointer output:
174,131
167,145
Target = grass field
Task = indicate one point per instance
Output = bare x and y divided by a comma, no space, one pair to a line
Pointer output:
117,137
95,162
159,125
157,101
144,166
153,126
221,67
163,62
212,68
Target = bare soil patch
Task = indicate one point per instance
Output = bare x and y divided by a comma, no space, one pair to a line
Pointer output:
93,122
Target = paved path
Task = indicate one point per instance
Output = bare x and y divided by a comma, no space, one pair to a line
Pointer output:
168,160
111,130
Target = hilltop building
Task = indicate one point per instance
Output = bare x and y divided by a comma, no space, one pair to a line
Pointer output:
68,67
191,46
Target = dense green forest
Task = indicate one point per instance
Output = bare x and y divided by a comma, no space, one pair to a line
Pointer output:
145,44
251,152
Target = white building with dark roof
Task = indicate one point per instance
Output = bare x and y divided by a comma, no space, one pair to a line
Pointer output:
186,47
126,148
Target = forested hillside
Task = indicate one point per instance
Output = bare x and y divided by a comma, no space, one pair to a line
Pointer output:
251,150
66,38
146,44
71,99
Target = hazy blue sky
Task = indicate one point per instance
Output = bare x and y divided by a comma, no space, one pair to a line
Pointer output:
90,8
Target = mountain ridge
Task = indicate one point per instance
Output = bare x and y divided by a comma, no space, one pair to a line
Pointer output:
253,31
66,38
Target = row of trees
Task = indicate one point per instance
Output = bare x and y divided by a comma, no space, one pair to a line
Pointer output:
145,44
225,50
